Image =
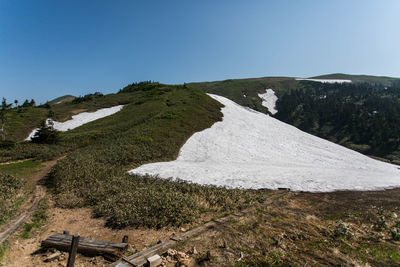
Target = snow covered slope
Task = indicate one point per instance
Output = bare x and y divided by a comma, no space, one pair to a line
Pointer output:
269,100
325,80
249,149
80,119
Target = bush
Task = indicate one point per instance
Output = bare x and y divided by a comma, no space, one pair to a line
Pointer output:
45,134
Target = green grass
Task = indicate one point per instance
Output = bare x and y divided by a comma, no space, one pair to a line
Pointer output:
380,254
154,130
152,127
11,188
21,121
3,250
22,168
39,218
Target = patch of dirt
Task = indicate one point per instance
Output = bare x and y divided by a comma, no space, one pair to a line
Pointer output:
36,192
21,252
291,228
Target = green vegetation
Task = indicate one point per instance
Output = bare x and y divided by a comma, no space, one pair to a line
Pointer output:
3,249
378,254
22,168
22,120
39,218
45,134
363,116
377,80
245,91
360,116
4,108
11,188
152,128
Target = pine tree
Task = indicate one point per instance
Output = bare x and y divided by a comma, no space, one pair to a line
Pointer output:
3,111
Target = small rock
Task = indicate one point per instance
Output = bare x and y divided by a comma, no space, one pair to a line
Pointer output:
194,251
180,256
130,248
171,252
154,261
53,257
241,256
182,229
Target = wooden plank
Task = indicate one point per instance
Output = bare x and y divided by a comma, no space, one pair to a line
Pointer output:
139,259
86,246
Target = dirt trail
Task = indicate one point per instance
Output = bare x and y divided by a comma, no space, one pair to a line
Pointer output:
30,205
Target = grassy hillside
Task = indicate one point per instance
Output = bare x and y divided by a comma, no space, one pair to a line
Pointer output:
22,120
151,128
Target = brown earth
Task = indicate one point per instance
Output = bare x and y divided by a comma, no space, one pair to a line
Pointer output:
300,229
21,252
290,229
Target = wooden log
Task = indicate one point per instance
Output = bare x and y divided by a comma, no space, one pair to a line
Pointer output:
73,250
86,246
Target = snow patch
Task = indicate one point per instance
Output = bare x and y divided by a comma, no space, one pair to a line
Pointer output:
325,80
249,149
269,100
80,119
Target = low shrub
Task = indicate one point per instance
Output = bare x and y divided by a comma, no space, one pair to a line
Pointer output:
10,195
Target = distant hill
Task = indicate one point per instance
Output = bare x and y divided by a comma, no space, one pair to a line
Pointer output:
386,81
62,99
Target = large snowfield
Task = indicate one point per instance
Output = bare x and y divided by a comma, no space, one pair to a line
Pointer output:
269,100
248,149
80,119
325,80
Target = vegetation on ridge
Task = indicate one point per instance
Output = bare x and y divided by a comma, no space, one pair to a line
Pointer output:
152,128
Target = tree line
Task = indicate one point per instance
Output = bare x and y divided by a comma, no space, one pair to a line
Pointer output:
363,115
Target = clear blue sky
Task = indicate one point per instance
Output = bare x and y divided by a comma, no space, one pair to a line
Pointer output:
50,48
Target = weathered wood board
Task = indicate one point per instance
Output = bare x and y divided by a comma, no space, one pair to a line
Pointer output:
87,246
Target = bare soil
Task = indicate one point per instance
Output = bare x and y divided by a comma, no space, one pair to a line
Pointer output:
290,229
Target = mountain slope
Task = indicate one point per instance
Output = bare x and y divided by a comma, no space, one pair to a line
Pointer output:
361,115
249,149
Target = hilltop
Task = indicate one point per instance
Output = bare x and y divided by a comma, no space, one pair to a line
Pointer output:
62,99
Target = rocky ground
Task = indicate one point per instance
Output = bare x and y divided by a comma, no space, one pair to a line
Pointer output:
340,228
